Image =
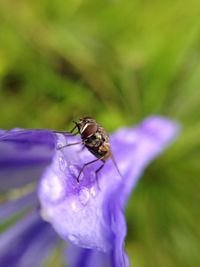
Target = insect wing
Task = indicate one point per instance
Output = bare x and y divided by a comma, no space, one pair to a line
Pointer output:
115,163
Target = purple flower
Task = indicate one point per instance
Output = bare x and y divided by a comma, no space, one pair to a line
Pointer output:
88,215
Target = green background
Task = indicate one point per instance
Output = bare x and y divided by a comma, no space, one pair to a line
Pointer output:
118,61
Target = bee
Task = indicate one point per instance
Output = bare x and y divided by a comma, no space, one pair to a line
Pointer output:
95,139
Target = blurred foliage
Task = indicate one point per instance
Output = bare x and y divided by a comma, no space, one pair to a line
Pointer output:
118,61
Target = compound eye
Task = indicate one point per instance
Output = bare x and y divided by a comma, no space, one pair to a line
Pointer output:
88,130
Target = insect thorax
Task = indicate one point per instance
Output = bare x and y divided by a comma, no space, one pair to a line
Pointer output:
95,142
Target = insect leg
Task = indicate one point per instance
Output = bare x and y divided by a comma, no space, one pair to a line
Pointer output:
75,127
72,144
82,148
97,171
68,133
86,164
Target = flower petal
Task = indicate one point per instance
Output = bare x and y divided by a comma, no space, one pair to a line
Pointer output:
81,257
75,210
90,214
12,207
137,147
144,143
26,243
23,156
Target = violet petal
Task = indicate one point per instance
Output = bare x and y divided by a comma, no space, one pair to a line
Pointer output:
26,243
12,207
81,257
23,156
89,216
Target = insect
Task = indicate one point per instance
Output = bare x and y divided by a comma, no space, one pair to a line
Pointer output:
95,139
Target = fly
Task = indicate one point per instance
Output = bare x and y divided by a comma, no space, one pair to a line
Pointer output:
96,140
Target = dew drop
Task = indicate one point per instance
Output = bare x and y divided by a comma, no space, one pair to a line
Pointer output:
73,170
93,176
73,239
93,191
60,144
74,206
53,187
62,163
84,196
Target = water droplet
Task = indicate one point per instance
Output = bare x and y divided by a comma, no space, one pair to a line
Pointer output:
60,143
73,238
84,196
93,191
73,170
74,206
62,163
93,176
